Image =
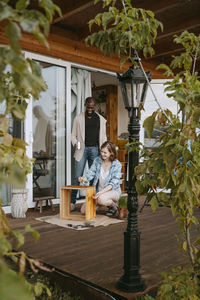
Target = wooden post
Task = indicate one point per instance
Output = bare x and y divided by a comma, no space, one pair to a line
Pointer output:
111,110
112,113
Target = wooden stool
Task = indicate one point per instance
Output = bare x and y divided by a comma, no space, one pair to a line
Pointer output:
39,200
65,203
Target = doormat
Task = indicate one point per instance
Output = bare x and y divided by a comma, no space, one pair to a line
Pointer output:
100,220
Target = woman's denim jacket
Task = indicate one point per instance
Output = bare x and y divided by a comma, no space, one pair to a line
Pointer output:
113,177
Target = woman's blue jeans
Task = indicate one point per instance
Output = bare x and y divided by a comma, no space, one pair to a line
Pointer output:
90,153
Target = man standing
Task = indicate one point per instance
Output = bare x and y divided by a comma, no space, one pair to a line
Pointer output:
88,134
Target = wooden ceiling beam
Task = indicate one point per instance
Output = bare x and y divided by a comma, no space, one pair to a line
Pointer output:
189,25
167,46
169,52
73,35
72,10
157,6
160,7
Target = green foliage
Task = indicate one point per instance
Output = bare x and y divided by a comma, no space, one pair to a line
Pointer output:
55,291
20,79
145,297
122,203
168,174
180,283
124,30
174,165
13,286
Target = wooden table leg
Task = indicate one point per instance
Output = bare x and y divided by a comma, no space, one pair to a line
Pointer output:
40,206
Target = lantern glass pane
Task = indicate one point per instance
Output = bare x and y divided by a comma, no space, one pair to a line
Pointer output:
129,96
138,92
124,94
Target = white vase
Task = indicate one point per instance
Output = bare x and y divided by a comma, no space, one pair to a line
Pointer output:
19,203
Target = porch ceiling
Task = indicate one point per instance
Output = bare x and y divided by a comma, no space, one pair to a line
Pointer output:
176,16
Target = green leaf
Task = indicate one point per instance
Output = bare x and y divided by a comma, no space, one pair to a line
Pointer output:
50,8
19,237
13,32
106,18
22,4
150,13
123,60
5,246
168,71
38,288
154,203
40,36
149,125
28,23
35,233
184,245
142,188
6,11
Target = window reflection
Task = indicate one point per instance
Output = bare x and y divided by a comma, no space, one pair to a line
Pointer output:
49,134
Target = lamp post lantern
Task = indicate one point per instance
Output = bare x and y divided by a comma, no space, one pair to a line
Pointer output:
134,87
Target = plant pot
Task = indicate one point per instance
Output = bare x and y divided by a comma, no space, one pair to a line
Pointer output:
19,203
122,213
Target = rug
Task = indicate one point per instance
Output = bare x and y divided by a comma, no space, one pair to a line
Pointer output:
100,220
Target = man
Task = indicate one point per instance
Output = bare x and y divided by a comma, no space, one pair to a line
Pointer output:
88,134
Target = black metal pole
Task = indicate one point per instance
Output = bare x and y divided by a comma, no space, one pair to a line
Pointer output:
131,281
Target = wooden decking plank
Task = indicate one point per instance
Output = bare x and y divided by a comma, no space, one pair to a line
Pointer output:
97,254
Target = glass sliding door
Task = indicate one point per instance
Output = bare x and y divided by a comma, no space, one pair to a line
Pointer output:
49,133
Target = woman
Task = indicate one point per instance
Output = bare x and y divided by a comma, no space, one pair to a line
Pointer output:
106,174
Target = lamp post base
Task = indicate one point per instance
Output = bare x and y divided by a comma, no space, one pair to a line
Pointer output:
136,285
131,281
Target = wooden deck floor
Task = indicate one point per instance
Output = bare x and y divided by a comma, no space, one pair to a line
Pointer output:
96,254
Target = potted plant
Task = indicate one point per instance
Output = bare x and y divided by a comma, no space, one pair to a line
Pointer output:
122,206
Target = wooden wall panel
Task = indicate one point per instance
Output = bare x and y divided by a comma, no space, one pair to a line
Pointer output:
65,46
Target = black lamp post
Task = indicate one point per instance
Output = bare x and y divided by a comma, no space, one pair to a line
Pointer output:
134,87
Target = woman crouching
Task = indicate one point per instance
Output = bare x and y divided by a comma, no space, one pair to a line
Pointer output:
106,175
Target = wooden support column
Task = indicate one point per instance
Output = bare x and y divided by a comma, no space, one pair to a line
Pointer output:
111,113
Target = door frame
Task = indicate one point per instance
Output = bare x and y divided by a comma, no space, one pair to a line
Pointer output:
28,122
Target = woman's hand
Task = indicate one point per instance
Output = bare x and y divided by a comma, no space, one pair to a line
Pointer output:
106,189
96,196
82,179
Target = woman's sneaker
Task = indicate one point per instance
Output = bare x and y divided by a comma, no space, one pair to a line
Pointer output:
112,210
